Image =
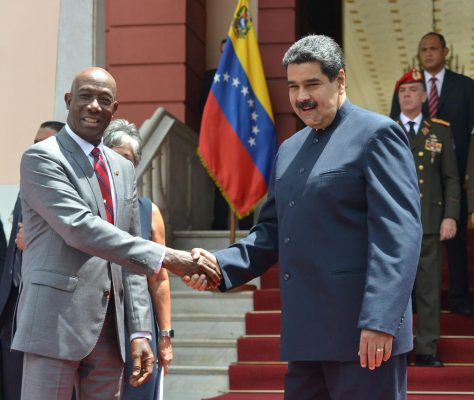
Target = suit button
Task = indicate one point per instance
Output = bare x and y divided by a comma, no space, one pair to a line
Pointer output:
421,167
421,154
315,140
286,277
286,240
421,181
292,203
301,170
106,294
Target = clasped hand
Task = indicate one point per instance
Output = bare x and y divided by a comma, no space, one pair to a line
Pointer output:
199,270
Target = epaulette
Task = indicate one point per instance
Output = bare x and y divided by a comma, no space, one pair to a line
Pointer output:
441,121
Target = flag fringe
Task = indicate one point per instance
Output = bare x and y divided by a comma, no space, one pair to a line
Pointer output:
224,194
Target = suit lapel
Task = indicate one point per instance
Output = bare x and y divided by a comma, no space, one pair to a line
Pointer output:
78,158
445,89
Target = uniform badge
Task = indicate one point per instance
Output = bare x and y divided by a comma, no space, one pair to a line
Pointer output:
433,146
425,130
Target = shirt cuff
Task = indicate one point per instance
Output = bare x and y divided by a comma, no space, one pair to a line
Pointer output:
141,334
158,267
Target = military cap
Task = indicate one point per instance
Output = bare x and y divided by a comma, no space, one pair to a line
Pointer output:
411,76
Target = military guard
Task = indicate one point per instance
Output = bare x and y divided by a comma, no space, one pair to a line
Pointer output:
433,151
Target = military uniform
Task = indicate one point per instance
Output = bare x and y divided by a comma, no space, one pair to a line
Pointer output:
438,180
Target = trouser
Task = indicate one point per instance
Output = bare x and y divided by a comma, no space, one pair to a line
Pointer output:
332,380
428,295
99,376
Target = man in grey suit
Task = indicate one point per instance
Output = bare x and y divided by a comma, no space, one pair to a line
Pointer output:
80,216
342,219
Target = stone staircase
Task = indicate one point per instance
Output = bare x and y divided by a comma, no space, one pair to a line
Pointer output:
207,326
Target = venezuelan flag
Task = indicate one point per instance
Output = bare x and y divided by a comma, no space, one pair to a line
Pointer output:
237,141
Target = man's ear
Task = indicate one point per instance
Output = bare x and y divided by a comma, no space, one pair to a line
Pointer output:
67,100
115,107
341,79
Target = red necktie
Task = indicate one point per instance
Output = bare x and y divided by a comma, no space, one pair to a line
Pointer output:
100,169
434,98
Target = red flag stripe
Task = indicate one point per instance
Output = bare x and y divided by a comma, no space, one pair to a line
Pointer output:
223,153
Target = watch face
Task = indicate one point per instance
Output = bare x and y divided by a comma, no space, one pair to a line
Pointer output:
169,333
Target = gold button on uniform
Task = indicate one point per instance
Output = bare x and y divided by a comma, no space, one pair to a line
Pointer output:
421,154
421,181
421,195
421,167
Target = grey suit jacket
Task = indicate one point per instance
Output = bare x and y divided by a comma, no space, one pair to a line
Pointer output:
342,219
74,257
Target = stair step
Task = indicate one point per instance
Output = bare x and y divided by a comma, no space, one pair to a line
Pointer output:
270,376
211,302
215,352
268,323
209,240
278,395
269,299
267,348
195,382
208,326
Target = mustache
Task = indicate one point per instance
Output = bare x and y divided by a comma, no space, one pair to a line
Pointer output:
306,104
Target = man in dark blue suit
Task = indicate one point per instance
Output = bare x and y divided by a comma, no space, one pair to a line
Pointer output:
12,361
342,219
450,98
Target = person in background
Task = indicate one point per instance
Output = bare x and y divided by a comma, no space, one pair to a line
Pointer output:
12,361
342,218
432,148
123,137
451,98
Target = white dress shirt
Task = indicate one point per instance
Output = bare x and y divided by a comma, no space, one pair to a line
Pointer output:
405,120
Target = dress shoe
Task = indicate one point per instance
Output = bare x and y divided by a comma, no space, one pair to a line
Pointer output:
422,360
465,310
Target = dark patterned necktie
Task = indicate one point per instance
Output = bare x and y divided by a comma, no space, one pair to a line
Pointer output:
100,169
411,131
433,101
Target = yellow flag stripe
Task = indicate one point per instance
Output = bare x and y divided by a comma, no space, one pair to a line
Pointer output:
246,49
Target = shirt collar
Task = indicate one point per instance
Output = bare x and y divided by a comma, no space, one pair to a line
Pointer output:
85,146
416,120
439,76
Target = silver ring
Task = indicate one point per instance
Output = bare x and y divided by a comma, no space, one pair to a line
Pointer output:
380,349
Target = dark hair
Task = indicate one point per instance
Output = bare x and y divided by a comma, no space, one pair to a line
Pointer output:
320,48
55,125
438,35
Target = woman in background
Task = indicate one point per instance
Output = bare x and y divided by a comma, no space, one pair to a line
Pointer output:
123,137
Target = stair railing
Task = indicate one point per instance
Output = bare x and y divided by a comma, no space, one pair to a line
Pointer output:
171,175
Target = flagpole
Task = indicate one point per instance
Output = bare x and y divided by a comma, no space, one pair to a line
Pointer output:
232,227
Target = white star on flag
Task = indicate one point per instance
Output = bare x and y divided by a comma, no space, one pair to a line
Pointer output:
245,90
251,102
255,130
235,82
251,142
226,77
254,116
217,78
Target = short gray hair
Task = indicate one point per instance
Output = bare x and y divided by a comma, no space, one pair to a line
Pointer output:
318,48
120,132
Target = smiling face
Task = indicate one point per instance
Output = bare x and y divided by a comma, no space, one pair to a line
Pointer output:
314,98
91,104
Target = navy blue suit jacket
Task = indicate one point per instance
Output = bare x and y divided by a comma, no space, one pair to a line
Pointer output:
342,219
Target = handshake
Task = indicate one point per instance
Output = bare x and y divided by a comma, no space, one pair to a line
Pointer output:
198,269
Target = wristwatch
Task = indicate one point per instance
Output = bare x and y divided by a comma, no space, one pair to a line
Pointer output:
166,333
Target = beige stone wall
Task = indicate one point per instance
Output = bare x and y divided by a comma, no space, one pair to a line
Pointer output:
28,43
